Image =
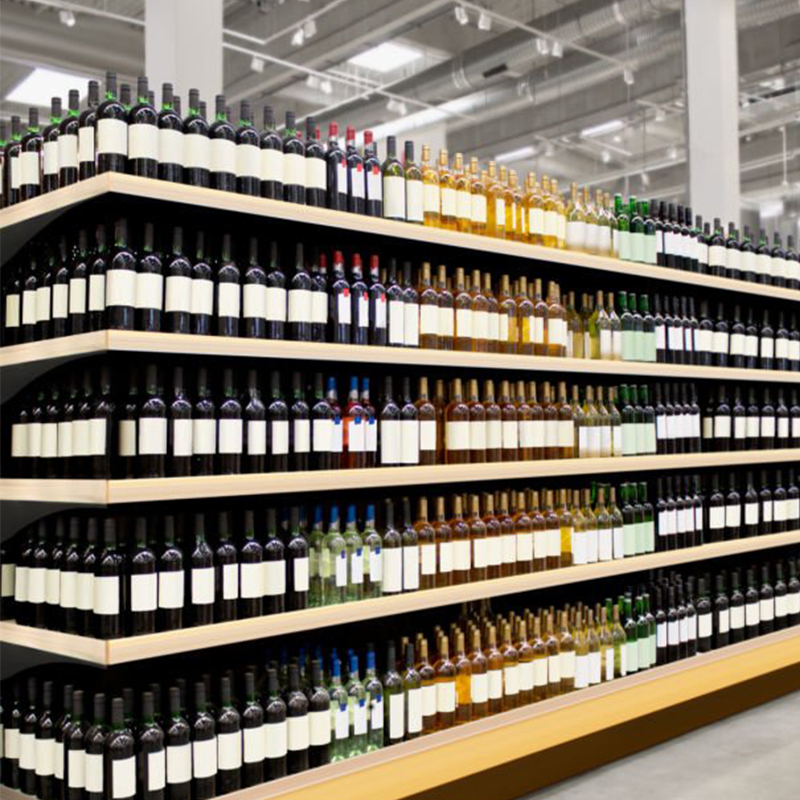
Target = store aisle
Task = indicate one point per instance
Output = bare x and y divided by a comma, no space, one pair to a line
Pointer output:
751,755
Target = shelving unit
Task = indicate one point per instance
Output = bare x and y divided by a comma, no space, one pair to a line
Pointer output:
137,648
19,222
117,491
517,739
458,762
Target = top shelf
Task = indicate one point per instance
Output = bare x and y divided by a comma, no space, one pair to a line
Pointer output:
20,222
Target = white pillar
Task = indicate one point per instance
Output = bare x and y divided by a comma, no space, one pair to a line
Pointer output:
183,46
712,80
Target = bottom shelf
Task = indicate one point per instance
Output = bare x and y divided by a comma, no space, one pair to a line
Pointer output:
432,762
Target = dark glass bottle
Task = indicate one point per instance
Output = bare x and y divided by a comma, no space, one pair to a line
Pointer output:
294,163
149,284
96,770
121,281
102,441
319,299
226,563
180,428
97,281
296,552
340,314
230,428
201,579
151,762
277,434
337,177
44,744
254,295
301,288
110,595
322,424
196,144
255,429
143,592
766,603
171,588
204,427
251,574
274,568
751,607
766,344
72,737
152,428
271,158
316,168
276,725
253,739
356,175
297,723
202,290
377,305
86,572
300,427
229,742
177,735
30,159
69,577
223,148
228,291
204,747
276,300
143,150
112,130
170,138
50,137
248,153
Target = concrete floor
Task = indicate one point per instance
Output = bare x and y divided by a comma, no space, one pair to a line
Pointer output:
752,755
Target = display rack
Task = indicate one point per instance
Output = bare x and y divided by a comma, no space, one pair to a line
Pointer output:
529,738
137,648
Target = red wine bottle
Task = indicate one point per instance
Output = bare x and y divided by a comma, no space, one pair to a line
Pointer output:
152,428
248,153
178,294
44,745
120,758
170,580
74,755
177,736
255,430
143,591
278,414
180,428
230,428
276,726
251,584
202,290
226,562
121,281
252,735
254,295
151,761
143,151
149,284
196,144
109,586
274,568
229,742
170,138
227,291
272,160
201,579
204,747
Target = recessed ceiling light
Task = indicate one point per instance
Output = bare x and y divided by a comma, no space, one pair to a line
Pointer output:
40,85
386,57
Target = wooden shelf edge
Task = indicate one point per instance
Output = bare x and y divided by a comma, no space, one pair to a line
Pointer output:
275,209
440,758
140,341
116,491
137,648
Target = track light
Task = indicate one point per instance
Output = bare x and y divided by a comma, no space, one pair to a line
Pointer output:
645,179
326,87
557,49
542,46
397,107
605,156
67,18
312,81
257,64
298,37
672,153
309,28
627,76
484,21
660,115
461,15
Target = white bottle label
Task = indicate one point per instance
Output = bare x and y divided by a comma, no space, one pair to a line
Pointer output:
204,758
112,137
272,165
143,141
106,595
229,750
152,436
170,146
144,592
120,287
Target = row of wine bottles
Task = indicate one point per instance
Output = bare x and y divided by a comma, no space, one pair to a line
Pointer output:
202,735
118,136
58,574
95,430
57,292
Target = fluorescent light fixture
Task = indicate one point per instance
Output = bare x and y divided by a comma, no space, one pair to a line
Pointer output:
771,208
603,128
557,49
484,21
517,155
257,64
298,37
326,87
461,15
66,17
309,28
386,57
40,85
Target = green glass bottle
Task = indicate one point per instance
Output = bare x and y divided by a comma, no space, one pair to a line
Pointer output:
623,249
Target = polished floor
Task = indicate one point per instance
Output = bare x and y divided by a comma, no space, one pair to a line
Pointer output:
752,755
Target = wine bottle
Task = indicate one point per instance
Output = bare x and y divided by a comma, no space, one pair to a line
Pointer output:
30,159
272,159
248,153
223,149
202,578
294,163
143,135
152,428
274,568
202,290
204,747
112,130
151,755
276,727
50,136
170,137
301,289
229,742
143,592
296,711
109,588
196,144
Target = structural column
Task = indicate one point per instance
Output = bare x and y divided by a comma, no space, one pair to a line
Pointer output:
712,80
183,45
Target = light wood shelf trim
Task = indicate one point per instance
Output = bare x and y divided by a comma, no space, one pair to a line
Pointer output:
432,761
137,648
111,492
144,342
83,648
278,210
